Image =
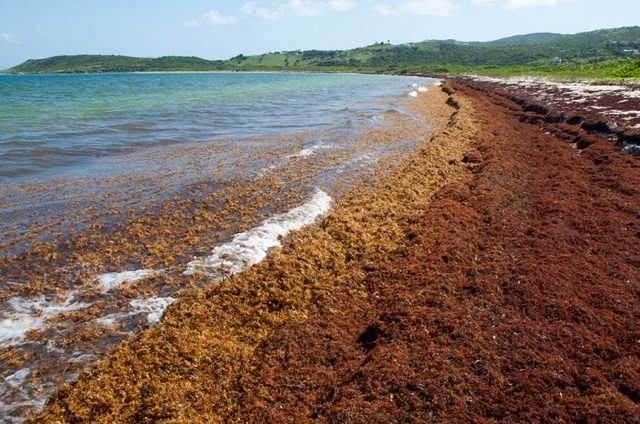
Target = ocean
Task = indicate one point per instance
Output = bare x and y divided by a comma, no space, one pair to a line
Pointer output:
120,193
53,124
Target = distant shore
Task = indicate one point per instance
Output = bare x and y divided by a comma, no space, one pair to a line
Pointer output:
609,54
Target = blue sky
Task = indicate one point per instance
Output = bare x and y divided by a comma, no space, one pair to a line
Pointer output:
34,29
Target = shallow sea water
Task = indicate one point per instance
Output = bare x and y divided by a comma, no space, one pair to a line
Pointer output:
55,123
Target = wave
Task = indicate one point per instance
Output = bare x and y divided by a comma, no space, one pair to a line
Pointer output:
251,247
28,315
112,280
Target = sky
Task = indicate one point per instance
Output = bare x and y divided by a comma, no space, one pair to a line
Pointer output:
210,29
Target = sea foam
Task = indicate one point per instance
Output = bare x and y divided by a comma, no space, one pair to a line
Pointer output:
17,378
112,280
250,247
310,151
30,315
154,307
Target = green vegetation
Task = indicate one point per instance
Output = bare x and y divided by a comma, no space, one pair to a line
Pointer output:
601,54
518,40
621,69
83,64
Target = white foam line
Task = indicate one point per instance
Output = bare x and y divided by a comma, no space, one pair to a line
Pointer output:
249,248
154,307
31,315
413,94
112,280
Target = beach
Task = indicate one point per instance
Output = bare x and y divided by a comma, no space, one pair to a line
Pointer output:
491,274
93,251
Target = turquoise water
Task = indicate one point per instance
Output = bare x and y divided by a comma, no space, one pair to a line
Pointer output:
51,124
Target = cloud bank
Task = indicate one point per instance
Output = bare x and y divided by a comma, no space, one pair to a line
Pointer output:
310,8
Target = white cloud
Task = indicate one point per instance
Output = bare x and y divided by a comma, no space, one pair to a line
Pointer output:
383,9
519,4
260,12
341,5
302,8
210,19
419,7
6,38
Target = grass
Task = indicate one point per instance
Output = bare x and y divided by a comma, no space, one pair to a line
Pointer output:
611,70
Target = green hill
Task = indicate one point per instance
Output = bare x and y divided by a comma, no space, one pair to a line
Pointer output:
100,63
518,40
612,47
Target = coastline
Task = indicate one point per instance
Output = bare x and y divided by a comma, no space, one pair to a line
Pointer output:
86,265
492,275
219,327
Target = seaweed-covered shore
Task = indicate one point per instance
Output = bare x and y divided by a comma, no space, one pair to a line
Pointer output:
491,276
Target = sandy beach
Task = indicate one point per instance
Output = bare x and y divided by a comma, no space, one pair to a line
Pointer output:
492,275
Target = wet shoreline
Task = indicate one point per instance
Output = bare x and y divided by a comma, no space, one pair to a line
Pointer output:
61,311
489,276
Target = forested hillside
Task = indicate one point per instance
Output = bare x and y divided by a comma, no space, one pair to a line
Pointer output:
612,49
100,63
